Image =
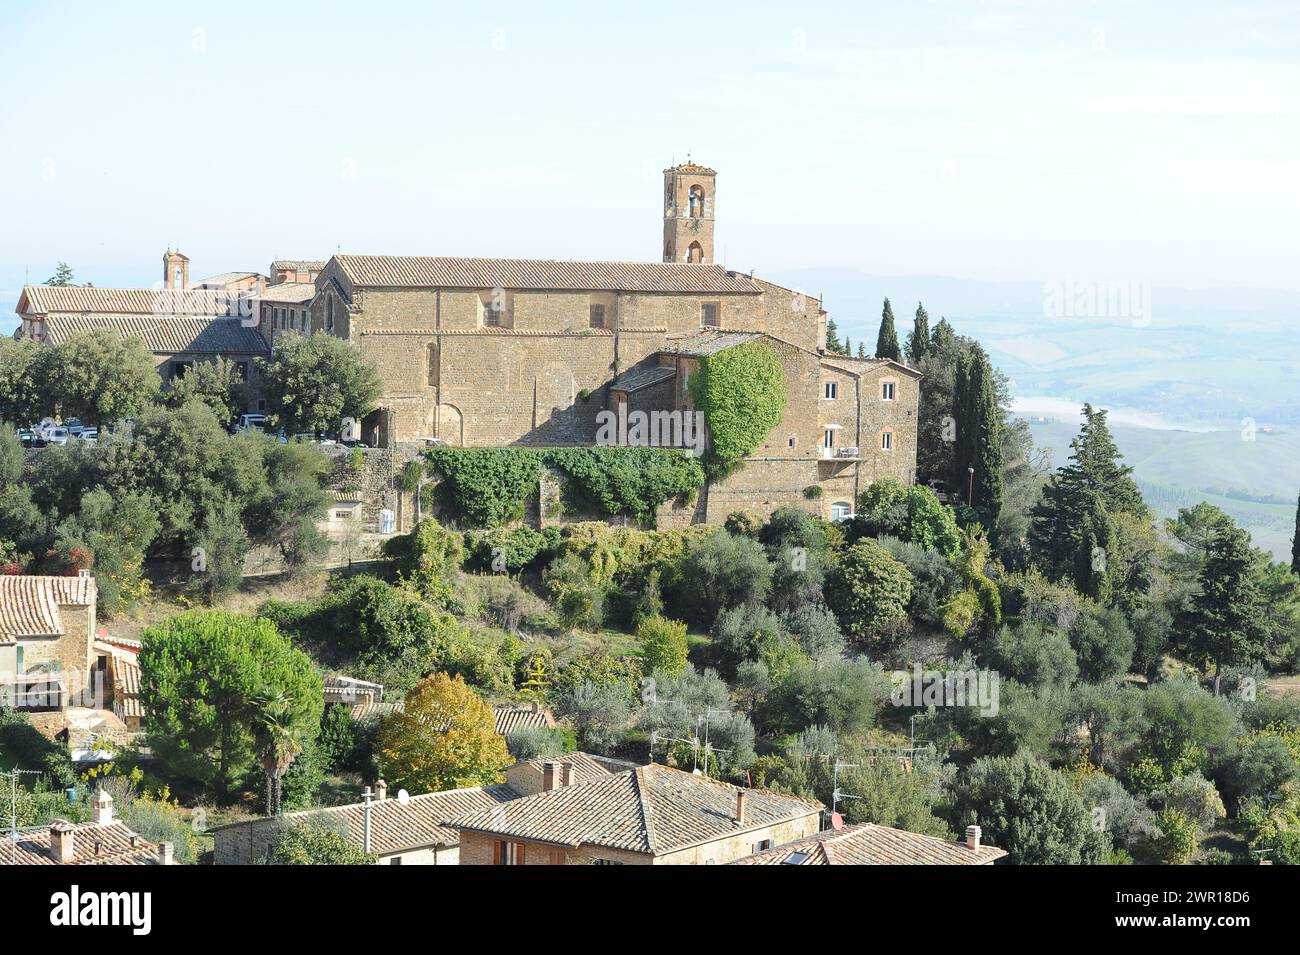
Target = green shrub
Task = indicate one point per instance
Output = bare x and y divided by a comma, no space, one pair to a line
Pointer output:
663,645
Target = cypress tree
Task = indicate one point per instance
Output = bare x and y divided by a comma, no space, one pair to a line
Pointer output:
1295,542
987,419
887,340
848,346
918,342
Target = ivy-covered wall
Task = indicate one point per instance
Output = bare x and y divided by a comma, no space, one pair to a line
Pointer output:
741,391
489,487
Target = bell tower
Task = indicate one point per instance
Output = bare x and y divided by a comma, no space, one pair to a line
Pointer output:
689,189
176,270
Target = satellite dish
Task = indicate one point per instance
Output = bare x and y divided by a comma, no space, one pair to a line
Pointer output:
403,796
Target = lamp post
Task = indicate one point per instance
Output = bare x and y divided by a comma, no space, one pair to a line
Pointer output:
970,487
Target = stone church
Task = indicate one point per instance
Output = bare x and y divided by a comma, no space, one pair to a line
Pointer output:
483,352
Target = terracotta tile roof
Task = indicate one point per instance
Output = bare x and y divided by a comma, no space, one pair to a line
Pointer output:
640,378
869,844
651,809
297,265
413,271
709,342
858,366
365,712
226,278
292,293
510,718
398,827
584,765
166,334
692,168
113,842
29,604
42,299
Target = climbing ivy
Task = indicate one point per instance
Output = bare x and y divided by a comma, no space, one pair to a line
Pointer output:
487,487
741,392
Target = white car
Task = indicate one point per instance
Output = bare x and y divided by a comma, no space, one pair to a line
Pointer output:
57,435
89,435
251,422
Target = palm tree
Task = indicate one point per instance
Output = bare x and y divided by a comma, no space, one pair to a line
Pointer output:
278,742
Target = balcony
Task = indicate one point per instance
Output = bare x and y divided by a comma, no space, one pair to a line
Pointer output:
842,455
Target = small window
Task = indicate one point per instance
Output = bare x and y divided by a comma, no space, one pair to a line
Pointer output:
886,391
886,441
828,438
840,510
709,314
796,858
509,853
395,860
832,390
761,846
791,442
605,862
329,314
598,316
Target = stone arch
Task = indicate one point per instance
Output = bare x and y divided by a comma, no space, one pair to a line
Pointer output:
695,252
450,425
697,202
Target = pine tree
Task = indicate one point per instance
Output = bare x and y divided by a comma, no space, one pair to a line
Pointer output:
1295,542
833,337
887,340
1056,534
62,276
943,339
862,353
918,340
1223,625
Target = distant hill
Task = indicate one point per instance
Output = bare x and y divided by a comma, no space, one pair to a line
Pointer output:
1206,358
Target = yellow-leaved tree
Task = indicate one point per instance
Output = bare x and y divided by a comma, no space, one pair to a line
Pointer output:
444,738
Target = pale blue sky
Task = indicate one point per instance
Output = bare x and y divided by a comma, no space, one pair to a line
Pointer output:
1155,141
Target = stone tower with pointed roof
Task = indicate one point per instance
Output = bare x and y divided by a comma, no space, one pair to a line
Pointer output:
689,189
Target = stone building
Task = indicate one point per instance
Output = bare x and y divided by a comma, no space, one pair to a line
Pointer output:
490,352
47,635
651,815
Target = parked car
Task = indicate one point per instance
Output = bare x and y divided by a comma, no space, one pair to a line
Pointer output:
27,437
57,435
74,426
250,422
89,435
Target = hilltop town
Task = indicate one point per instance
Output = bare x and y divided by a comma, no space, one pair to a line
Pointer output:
420,559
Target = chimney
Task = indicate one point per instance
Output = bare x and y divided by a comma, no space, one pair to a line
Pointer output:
973,837
62,841
534,707
101,808
567,776
381,790
164,853
550,776
83,573
740,806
